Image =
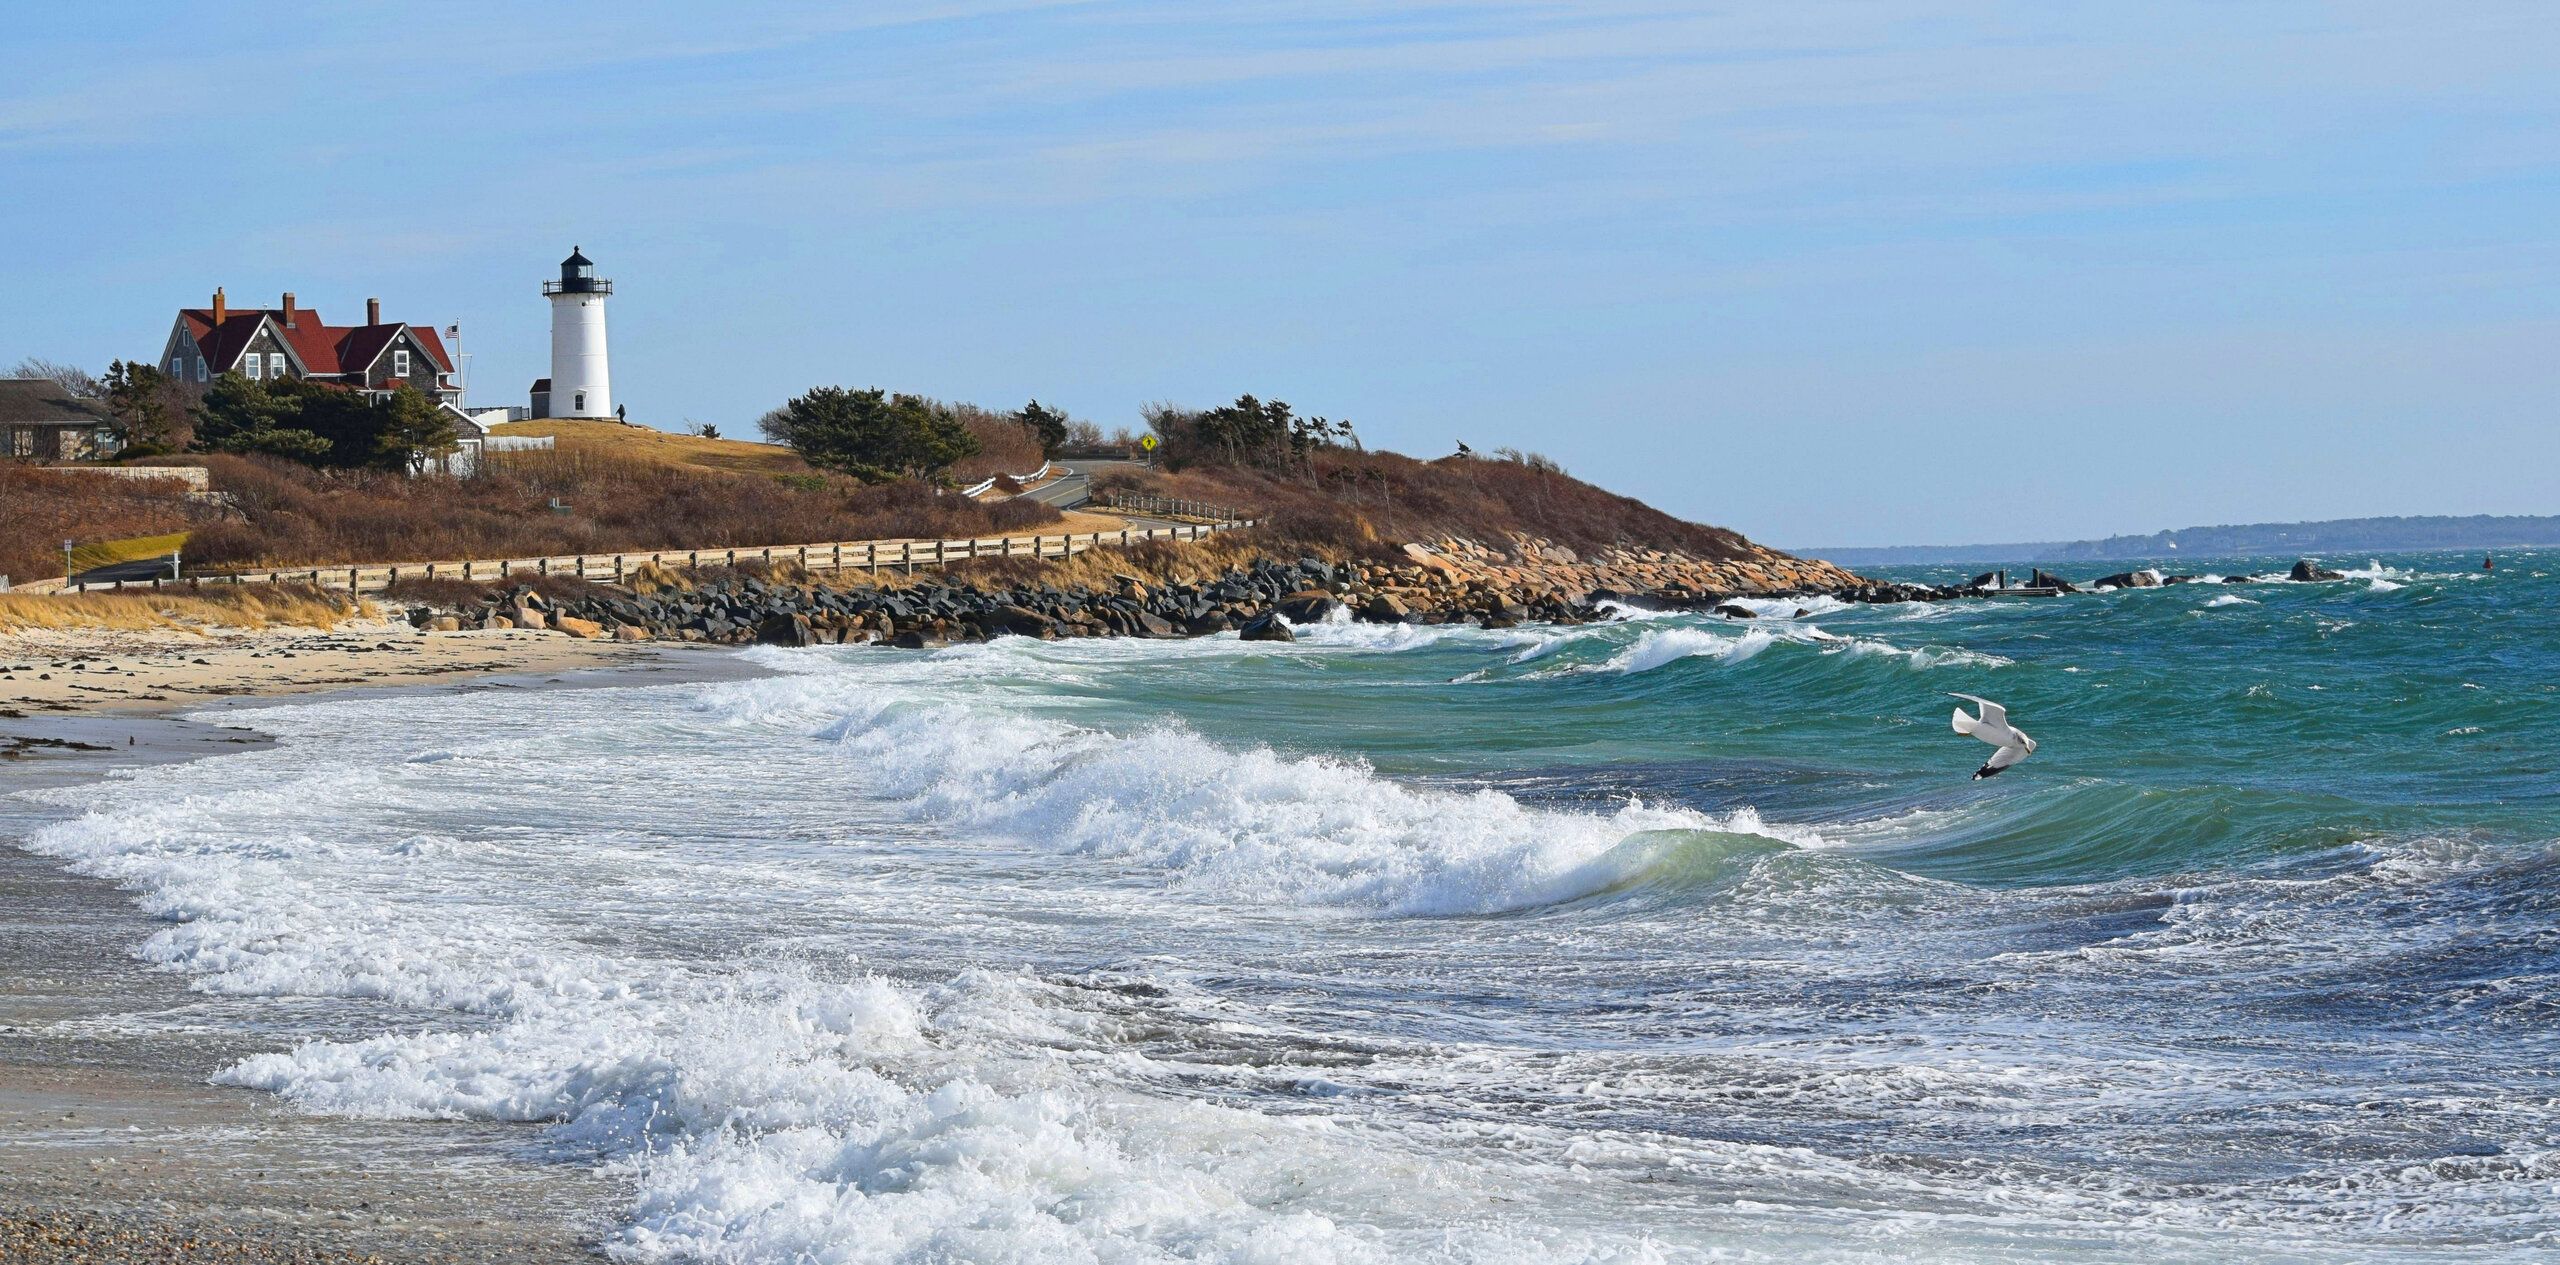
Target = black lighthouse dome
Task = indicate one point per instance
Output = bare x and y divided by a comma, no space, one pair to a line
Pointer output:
578,276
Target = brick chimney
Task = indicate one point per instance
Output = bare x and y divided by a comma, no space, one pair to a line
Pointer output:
221,309
288,309
373,311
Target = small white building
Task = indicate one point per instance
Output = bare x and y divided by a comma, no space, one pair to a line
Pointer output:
581,381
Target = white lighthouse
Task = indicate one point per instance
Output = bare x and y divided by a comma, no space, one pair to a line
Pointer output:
581,382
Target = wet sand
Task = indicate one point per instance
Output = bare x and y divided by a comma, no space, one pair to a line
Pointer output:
113,1146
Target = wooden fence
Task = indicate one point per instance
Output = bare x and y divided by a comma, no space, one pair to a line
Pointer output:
858,555
1169,506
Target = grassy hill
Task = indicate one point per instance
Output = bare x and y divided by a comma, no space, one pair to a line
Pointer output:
661,448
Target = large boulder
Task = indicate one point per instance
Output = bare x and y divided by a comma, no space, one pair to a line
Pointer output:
1307,606
2308,570
1266,627
577,627
1021,621
1731,611
784,630
1385,609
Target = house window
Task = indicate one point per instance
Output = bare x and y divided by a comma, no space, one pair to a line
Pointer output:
254,366
400,363
178,368
275,364
199,368
22,441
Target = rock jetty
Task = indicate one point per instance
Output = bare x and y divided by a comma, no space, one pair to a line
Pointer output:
1445,583
1261,601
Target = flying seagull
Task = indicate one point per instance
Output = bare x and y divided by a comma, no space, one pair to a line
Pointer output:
1993,727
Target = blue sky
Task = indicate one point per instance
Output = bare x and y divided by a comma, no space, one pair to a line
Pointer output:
1852,273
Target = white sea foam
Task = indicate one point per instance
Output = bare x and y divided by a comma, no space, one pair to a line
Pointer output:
2231,599
1660,647
1250,823
782,1109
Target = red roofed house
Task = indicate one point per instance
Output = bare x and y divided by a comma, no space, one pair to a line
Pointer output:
293,342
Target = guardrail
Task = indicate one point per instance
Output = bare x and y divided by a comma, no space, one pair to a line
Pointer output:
1033,477
1170,505
858,555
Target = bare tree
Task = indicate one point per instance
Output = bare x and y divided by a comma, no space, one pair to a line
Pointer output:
71,378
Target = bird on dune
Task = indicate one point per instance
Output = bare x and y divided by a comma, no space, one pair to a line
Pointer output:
1993,727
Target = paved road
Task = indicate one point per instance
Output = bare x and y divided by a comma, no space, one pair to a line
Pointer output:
138,569
1076,488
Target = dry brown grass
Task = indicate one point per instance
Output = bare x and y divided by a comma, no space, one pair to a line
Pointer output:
1155,561
1368,503
615,441
247,606
292,516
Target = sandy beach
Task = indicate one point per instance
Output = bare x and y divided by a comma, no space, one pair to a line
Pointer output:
49,672
113,1145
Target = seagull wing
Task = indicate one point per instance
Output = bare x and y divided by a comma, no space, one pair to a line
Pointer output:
1992,713
2000,760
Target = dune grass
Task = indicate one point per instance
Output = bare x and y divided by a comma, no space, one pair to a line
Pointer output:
247,606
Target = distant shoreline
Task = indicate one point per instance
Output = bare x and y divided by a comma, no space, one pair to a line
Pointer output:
2426,534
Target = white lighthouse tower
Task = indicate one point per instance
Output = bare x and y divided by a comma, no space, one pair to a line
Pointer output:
581,382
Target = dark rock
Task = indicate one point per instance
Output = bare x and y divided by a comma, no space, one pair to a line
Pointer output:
1383,609
2307,570
1266,627
1307,606
1731,611
1021,621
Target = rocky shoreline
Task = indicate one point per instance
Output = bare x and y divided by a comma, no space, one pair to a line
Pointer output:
1260,599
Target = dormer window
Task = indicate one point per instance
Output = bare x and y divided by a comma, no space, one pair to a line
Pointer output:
400,363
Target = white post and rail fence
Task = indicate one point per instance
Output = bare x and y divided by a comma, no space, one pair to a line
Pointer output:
855,555
1166,506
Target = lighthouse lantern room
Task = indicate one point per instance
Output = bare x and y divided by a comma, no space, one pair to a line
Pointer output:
581,382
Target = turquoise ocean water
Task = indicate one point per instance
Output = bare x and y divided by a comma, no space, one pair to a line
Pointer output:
1668,939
